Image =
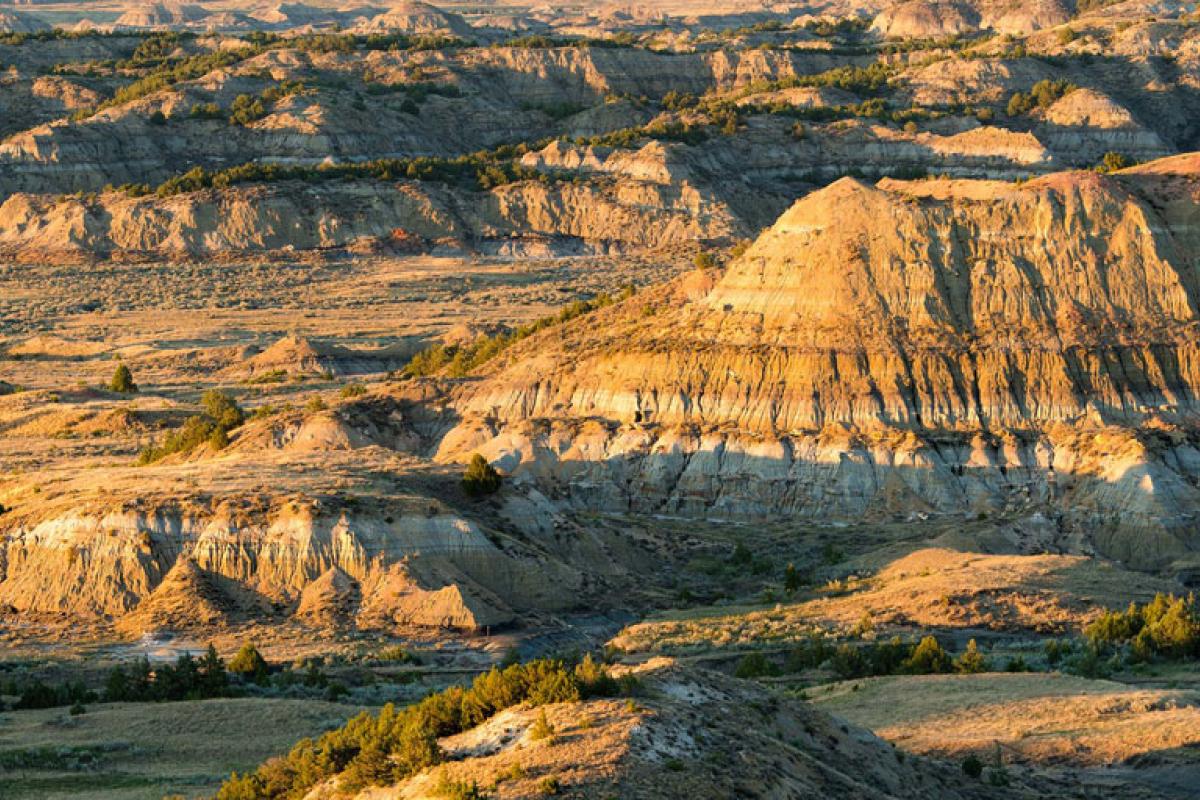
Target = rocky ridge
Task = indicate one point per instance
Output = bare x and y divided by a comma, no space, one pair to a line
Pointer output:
990,348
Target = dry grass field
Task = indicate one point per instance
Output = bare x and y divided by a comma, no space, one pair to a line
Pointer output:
933,588
147,751
1035,718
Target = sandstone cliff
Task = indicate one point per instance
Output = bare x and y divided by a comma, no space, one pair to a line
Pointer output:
296,216
197,560
942,346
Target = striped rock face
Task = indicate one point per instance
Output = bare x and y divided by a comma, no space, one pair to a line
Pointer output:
941,346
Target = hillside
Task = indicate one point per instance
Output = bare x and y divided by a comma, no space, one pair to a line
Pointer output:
683,399
990,347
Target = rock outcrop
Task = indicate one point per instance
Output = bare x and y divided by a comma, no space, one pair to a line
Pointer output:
296,355
17,22
160,16
937,346
296,216
782,748
414,17
931,19
195,562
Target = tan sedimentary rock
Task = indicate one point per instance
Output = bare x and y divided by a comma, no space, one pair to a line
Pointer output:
411,16
17,22
941,346
302,217
195,563
929,19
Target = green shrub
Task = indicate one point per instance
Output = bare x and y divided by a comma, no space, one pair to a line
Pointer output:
122,381
249,664
398,654
755,665
1017,664
541,728
459,790
928,657
1113,162
972,766
221,415
480,477
1044,94
848,662
222,409
971,660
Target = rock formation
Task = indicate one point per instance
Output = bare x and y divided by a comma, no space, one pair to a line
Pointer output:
931,19
193,562
945,346
17,22
414,17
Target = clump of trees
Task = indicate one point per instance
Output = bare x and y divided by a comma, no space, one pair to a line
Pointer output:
221,415
383,748
848,661
866,81
1167,627
247,108
1044,94
476,171
37,694
169,71
186,679
457,361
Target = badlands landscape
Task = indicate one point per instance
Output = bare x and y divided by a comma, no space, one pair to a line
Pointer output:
722,399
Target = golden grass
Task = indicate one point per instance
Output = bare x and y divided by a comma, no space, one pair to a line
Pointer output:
1046,719
930,588
145,751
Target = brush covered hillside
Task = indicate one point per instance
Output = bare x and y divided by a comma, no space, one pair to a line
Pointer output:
690,732
959,348
218,130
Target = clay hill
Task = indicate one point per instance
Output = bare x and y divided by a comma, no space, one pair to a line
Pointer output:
932,347
683,739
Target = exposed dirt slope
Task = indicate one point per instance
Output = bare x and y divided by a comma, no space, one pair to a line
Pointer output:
941,346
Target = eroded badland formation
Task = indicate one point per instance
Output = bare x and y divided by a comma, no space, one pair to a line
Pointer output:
789,400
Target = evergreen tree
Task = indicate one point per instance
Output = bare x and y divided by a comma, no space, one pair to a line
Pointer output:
116,688
212,673
140,681
791,579
928,657
971,660
249,664
122,380
481,478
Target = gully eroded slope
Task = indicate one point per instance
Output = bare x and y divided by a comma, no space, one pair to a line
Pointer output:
940,346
